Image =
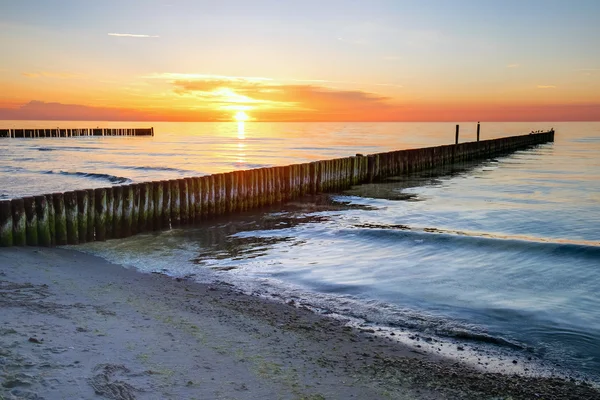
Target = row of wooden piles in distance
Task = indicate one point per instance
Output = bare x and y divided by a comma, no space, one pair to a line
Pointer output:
74,132
121,211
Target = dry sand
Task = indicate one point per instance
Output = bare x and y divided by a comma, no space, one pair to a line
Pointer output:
73,326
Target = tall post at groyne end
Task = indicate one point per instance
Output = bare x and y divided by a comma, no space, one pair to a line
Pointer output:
121,211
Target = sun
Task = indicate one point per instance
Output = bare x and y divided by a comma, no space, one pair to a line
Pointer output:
241,116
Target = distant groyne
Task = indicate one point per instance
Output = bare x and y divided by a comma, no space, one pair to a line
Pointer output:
120,211
73,132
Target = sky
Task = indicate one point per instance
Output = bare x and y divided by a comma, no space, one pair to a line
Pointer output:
308,60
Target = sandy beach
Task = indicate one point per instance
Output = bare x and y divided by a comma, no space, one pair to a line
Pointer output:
74,326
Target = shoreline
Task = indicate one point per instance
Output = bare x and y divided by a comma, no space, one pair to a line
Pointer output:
76,326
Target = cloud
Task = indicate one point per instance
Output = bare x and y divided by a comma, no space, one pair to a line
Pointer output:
46,74
513,66
546,87
39,110
269,95
131,35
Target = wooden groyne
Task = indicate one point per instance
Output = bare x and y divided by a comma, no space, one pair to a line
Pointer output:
120,211
72,132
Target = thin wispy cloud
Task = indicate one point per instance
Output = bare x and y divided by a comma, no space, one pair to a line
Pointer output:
132,35
546,87
513,66
46,74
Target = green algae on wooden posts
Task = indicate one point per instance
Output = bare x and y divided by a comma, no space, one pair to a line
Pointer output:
43,221
51,219
6,224
117,212
82,214
100,213
19,222
60,219
127,210
110,213
91,226
135,211
31,225
71,217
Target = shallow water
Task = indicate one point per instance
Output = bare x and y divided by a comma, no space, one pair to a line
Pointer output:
503,253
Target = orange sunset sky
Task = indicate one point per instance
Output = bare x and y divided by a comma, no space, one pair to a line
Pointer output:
326,60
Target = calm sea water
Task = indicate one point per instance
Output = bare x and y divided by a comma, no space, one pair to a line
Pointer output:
501,258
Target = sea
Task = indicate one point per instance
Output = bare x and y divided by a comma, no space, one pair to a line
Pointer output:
495,263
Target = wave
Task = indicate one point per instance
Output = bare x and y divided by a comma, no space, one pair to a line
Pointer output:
149,168
107,177
556,246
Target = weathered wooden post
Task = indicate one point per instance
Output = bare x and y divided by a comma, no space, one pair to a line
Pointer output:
6,224
478,126
43,219
31,226
117,212
60,219
82,215
191,184
136,211
216,178
155,205
100,213
72,217
91,220
19,222
145,192
166,204
250,189
204,189
127,210
457,129
175,203
197,185
184,196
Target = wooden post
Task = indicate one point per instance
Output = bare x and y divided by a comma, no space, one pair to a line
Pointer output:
457,129
206,199
43,219
175,203
191,184
19,222
197,199
91,225
135,211
6,224
117,212
82,214
166,211
478,126
100,213
31,224
155,205
60,219
72,217
127,210
145,191
184,196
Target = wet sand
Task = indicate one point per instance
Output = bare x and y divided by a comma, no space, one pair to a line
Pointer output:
74,326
